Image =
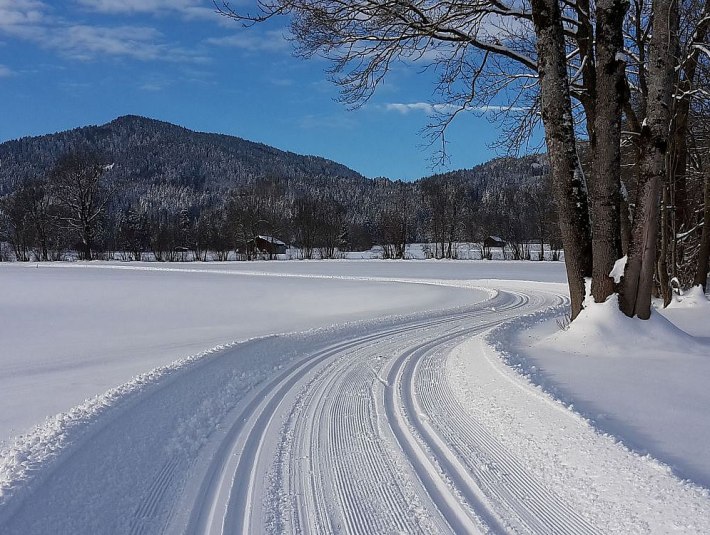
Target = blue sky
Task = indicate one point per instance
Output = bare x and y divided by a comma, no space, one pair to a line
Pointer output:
69,63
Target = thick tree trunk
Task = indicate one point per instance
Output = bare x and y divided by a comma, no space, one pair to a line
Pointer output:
640,267
604,195
667,237
701,272
86,253
559,135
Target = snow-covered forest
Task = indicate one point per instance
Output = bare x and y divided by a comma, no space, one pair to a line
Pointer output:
158,191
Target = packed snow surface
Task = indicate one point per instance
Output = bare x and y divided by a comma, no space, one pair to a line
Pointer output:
409,401
645,382
70,332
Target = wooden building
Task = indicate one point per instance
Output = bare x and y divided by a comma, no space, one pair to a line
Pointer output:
265,245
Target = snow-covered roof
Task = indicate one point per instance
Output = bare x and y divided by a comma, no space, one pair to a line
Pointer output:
496,238
271,239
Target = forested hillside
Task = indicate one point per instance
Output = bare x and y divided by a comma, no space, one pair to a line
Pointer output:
147,151
159,188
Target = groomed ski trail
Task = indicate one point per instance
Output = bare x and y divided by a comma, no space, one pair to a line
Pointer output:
367,428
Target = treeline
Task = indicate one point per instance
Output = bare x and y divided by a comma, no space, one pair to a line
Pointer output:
83,206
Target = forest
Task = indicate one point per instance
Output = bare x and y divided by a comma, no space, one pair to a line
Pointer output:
134,190
625,81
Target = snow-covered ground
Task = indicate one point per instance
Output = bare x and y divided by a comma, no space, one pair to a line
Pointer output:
413,400
69,332
644,382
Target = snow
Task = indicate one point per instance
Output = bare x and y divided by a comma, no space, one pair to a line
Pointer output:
405,397
644,382
72,331
618,270
271,240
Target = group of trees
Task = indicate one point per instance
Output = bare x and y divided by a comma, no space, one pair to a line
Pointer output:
47,215
79,205
625,82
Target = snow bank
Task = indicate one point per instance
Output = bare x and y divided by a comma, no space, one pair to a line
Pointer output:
643,382
29,460
603,330
692,298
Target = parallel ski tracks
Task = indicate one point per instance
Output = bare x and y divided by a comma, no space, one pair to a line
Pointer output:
224,502
301,434
331,445
224,499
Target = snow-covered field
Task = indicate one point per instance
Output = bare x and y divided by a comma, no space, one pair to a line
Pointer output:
410,397
70,332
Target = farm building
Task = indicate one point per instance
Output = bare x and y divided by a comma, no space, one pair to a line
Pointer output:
265,244
493,241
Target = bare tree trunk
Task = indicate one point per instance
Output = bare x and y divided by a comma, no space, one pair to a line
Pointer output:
682,212
667,237
559,135
686,82
604,195
640,267
624,225
701,273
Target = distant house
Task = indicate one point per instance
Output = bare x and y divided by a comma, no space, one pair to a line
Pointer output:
493,241
266,245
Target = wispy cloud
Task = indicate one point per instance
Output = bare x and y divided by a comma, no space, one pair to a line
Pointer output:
429,109
153,87
138,42
190,9
433,109
22,18
271,41
31,20
5,71
282,82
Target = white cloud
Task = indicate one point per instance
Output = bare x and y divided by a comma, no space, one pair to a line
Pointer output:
153,87
429,109
496,109
432,109
22,18
5,71
138,42
30,20
271,41
191,9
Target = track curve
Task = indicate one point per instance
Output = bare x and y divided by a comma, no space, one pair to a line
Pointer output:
354,430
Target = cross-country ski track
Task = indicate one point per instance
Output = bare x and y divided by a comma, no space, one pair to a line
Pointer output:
405,425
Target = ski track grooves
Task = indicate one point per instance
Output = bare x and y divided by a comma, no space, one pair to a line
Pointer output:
338,409
245,437
363,435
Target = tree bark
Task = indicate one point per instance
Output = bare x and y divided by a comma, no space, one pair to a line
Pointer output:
667,237
701,273
559,136
640,267
604,195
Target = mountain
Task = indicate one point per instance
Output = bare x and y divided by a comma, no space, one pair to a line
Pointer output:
146,151
166,173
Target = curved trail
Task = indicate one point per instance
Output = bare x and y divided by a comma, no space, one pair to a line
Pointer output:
358,430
